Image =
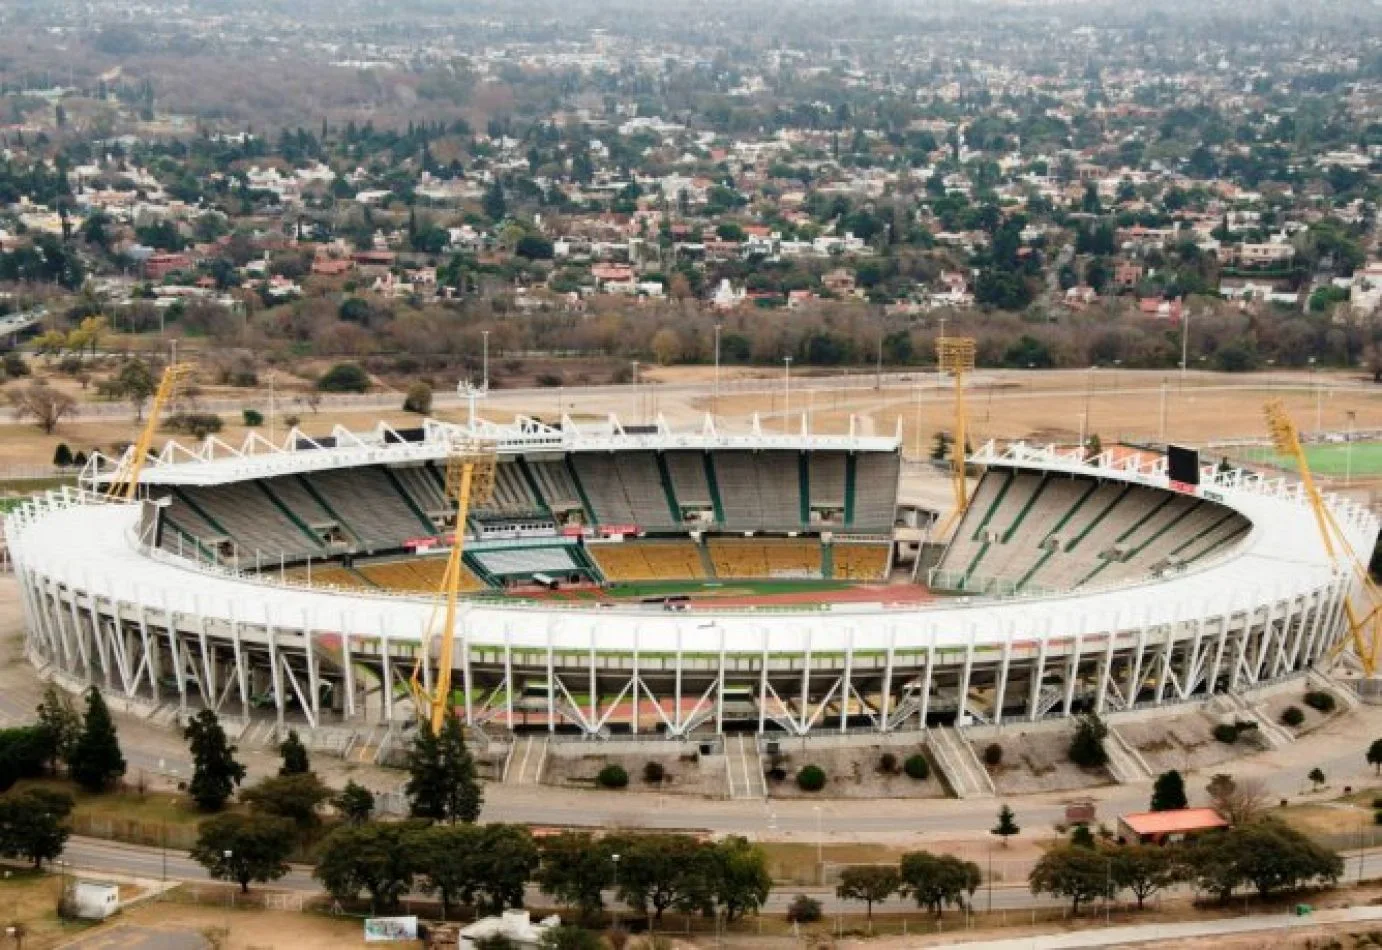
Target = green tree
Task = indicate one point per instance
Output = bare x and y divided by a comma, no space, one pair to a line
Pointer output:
1316,777
418,399
1081,874
374,857
739,878
1144,869
938,880
659,871
1375,755
244,848
344,378
869,883
506,859
1266,855
97,762
446,861
355,803
576,869
1007,825
1087,744
1168,793
442,785
295,759
494,204
33,825
135,383
215,773
567,937
295,797
61,722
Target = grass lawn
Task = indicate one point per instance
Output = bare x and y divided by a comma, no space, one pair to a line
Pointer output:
31,898
1328,458
726,588
149,819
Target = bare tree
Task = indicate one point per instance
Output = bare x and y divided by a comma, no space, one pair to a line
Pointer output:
1238,800
44,404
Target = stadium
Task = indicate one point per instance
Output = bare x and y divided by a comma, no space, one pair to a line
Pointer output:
645,581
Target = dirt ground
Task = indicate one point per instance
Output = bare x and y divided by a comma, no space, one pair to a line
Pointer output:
1036,761
856,772
1184,743
248,929
689,774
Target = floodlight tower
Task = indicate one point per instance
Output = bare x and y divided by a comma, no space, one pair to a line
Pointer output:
470,481
125,483
955,355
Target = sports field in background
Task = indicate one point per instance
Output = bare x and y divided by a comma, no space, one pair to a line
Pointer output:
1329,458
782,592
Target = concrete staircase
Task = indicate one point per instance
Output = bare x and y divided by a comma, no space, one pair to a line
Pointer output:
526,758
1125,763
956,759
744,768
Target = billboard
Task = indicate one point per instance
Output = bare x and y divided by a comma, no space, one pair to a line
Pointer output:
1182,466
383,929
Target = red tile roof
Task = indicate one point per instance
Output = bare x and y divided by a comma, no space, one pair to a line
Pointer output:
1179,821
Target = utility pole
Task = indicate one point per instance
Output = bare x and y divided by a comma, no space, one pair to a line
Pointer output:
484,361
1184,345
787,395
878,370
715,399
1162,431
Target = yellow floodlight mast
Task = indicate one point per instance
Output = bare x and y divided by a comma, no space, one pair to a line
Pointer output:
125,483
1365,620
470,481
955,355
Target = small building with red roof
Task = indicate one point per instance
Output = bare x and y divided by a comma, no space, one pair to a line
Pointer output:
1164,827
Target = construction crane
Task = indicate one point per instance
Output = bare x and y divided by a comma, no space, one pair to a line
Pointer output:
125,483
1363,608
470,468
955,355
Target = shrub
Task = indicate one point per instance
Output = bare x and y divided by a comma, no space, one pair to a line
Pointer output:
1087,744
993,754
419,398
196,424
612,776
803,910
550,380
1292,716
344,378
887,763
917,767
1226,732
654,773
1377,818
811,778
1320,700
253,417
777,773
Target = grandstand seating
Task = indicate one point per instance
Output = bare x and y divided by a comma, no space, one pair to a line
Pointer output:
554,482
599,476
252,521
827,476
511,491
737,478
523,561
642,483
688,478
1026,532
648,560
295,497
189,522
416,574
875,491
771,557
326,574
779,483
367,502
425,489
861,562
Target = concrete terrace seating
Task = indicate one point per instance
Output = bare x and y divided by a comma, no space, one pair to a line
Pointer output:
425,490
737,477
648,560
599,475
771,557
875,491
779,489
688,478
253,521
366,500
189,523
860,562
554,482
827,474
642,483
297,499
511,491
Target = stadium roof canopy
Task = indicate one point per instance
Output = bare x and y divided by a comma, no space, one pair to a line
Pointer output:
216,462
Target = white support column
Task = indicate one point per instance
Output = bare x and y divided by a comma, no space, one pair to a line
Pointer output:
1225,620
720,692
386,668
1168,647
208,666
463,618
676,716
79,638
241,673
96,639
805,711
1106,667
763,685
593,700
1134,682
348,664
887,703
275,666
508,676
1006,662
962,707
1038,673
313,674
170,628
845,693
637,679
1193,670
551,685
1072,669
926,678
150,660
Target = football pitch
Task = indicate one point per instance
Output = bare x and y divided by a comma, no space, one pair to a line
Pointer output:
1361,459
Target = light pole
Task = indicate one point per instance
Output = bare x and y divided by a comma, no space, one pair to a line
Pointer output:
615,859
1184,345
228,855
820,845
715,398
1348,449
484,360
878,368
787,395
1319,398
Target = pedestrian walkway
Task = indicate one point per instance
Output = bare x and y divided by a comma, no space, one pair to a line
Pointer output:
1152,933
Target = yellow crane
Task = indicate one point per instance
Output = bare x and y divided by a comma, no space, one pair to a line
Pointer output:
469,480
1363,609
125,483
955,355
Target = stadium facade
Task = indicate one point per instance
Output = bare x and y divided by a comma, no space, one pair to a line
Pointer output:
1071,584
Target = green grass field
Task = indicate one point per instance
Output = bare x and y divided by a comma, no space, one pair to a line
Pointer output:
1359,458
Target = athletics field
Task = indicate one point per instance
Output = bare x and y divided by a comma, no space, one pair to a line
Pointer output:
1334,459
